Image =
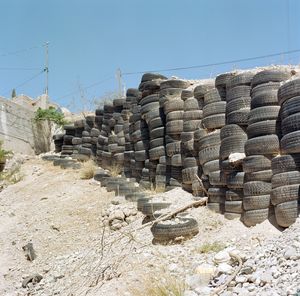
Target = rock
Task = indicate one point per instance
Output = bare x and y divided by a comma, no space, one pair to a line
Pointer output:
225,268
196,280
29,252
222,257
189,293
205,291
35,278
130,219
117,214
291,253
246,270
266,277
240,279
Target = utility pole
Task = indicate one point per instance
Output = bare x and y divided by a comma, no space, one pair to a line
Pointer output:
119,80
47,67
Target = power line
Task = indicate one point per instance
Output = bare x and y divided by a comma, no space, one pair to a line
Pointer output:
87,87
27,80
19,69
19,51
216,64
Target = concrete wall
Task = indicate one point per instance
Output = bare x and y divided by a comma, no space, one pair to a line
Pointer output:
19,132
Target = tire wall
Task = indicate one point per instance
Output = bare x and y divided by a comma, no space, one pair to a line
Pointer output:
171,132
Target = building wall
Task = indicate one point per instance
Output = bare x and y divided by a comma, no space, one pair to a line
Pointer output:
19,132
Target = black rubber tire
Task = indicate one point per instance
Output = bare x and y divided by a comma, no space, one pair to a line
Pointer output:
150,207
192,125
286,213
235,206
199,133
212,96
232,130
234,194
202,89
263,128
263,145
189,175
149,107
211,166
265,176
192,115
290,107
189,162
285,163
141,155
173,148
214,121
174,83
149,99
173,105
238,92
174,127
156,153
232,144
239,117
290,124
263,113
176,160
191,104
141,201
243,78
222,79
217,194
85,151
237,104
217,178
235,180
175,115
151,76
289,90
265,99
254,163
257,188
214,108
163,231
158,132
155,123
272,75
232,216
209,140
256,202
228,167
284,194
187,136
209,153
285,179
157,142
253,217
290,143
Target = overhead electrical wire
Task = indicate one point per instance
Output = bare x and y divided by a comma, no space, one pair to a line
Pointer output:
19,51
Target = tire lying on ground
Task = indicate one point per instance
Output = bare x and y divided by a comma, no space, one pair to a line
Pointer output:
172,229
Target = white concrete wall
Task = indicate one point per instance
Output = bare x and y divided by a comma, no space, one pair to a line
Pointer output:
19,132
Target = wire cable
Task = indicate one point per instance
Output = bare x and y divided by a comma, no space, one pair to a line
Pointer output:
19,69
216,64
87,87
19,51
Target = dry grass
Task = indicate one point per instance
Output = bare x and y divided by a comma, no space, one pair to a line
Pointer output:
115,170
213,247
159,285
88,170
155,190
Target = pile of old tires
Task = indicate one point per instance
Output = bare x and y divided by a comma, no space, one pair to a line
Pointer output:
285,167
233,139
262,145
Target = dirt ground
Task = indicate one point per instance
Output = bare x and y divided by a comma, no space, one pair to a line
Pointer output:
76,255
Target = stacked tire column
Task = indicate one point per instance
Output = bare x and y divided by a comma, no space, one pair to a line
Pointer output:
173,107
209,148
262,145
150,112
132,97
233,139
199,92
191,122
77,140
286,167
67,147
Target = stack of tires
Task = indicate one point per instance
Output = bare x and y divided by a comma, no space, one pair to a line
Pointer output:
67,147
103,155
58,142
199,92
286,167
173,107
132,97
191,122
77,139
209,148
262,144
150,114
233,139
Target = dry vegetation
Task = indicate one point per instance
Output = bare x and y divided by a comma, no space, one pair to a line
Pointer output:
88,170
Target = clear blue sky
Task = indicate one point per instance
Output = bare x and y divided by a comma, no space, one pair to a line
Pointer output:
90,39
